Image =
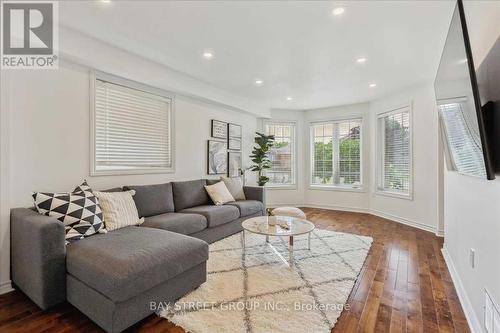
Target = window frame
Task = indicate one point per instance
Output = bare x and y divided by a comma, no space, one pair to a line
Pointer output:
102,76
333,187
380,154
294,163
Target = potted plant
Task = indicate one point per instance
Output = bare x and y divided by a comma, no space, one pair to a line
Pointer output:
260,156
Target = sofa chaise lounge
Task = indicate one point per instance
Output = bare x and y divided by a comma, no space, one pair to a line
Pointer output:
113,277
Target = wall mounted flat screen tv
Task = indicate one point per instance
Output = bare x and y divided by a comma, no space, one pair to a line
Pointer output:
467,124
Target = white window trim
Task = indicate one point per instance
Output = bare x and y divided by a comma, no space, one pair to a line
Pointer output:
379,157
98,75
318,187
292,186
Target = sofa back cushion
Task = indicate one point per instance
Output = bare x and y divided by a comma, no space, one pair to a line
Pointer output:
190,194
153,199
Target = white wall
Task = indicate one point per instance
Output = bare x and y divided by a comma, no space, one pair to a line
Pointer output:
471,205
49,134
422,209
303,195
295,196
357,200
44,134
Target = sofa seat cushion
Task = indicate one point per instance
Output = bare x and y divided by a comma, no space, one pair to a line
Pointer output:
127,262
185,224
215,215
248,207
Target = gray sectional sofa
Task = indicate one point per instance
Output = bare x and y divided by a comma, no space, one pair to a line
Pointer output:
113,277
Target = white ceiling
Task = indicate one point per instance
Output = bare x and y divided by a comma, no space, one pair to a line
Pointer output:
297,48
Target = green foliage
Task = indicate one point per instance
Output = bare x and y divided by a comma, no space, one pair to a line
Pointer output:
260,156
323,158
278,145
349,149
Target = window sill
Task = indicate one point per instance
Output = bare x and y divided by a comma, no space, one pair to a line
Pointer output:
394,195
335,188
281,187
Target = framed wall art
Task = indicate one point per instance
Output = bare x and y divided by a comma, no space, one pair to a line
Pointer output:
218,129
216,157
234,144
234,164
233,136
234,131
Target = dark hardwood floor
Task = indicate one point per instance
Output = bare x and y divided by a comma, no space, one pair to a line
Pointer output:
404,286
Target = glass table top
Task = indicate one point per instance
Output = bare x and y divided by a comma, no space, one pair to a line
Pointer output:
277,225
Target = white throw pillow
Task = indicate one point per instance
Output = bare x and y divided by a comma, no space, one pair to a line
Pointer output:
235,187
289,211
219,193
119,209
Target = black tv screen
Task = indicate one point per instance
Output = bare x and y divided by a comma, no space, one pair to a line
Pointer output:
463,118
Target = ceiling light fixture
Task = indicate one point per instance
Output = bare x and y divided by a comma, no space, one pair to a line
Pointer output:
338,11
372,85
289,98
105,1
259,82
208,55
361,60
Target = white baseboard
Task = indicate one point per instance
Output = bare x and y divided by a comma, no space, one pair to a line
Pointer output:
5,287
472,319
342,208
403,220
391,217
440,233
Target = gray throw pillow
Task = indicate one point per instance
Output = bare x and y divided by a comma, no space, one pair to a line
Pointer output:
235,187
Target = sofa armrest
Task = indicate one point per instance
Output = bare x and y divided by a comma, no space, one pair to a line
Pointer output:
255,193
38,256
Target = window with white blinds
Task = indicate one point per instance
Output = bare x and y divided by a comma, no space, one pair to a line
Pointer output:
132,130
462,139
282,154
336,153
394,152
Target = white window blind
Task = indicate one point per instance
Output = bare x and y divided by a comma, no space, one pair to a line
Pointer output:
282,154
394,152
336,153
462,140
132,130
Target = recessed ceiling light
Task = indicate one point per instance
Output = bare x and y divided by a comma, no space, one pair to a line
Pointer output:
208,55
105,1
372,85
289,98
361,60
338,11
259,82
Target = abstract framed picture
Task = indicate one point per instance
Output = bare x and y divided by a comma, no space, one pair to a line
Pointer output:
216,157
218,129
234,131
234,164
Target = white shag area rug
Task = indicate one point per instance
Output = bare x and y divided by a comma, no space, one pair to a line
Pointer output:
252,290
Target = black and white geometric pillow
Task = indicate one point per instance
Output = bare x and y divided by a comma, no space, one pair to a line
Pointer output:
79,211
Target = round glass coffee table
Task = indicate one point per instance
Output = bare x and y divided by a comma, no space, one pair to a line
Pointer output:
278,226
